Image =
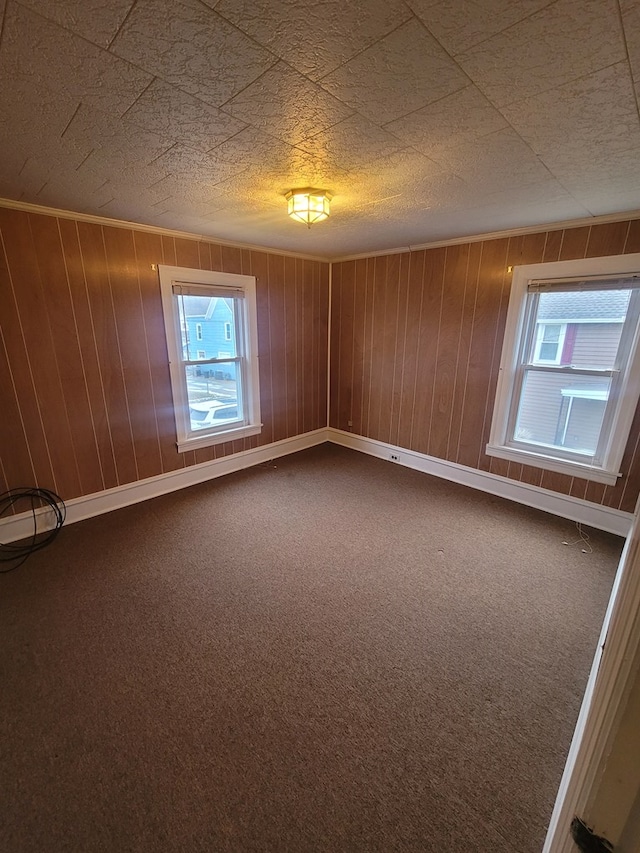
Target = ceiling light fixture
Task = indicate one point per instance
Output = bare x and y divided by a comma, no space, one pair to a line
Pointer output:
308,205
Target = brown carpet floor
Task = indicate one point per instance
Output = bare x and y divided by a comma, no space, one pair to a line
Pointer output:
332,654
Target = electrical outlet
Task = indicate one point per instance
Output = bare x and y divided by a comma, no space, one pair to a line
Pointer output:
394,457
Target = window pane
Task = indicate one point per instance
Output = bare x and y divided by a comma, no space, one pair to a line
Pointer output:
548,350
551,334
207,325
560,411
213,394
593,320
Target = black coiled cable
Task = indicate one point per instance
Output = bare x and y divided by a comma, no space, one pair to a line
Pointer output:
19,551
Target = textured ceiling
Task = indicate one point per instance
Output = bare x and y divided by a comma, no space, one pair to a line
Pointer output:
427,119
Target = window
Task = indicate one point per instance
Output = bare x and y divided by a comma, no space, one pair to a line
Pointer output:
549,343
569,376
227,331
215,399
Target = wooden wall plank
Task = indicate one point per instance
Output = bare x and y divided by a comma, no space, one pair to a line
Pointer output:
23,443
65,336
278,354
556,482
204,256
451,314
574,243
400,348
553,246
187,254
307,365
88,350
387,342
359,285
304,343
290,345
301,344
17,466
368,293
231,259
378,308
168,251
415,292
4,483
464,349
633,237
526,249
127,302
625,492
43,374
259,268
487,330
216,256
106,340
317,368
531,475
425,388
595,492
321,273
607,238
344,291
337,377
579,488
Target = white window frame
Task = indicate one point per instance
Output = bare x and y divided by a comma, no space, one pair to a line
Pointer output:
243,289
605,469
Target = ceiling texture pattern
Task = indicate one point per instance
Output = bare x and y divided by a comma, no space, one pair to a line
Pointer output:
426,119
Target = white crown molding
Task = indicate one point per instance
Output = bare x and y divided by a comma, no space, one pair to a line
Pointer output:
152,229
399,250
593,515
496,235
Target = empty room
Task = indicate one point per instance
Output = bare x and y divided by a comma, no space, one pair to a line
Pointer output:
320,426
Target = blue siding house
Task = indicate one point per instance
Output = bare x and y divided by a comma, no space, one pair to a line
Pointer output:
211,333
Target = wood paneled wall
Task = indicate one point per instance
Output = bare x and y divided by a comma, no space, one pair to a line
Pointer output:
416,341
85,399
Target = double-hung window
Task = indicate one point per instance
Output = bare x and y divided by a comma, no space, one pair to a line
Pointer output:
215,389
569,378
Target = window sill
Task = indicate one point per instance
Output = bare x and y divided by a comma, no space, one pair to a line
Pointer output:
218,437
550,463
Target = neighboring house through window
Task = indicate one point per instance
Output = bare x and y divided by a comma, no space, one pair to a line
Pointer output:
215,389
570,370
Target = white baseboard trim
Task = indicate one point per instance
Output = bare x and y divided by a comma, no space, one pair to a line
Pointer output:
14,528
565,506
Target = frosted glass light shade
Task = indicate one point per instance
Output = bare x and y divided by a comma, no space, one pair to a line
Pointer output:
308,205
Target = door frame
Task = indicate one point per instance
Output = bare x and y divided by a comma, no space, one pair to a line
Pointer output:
609,682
